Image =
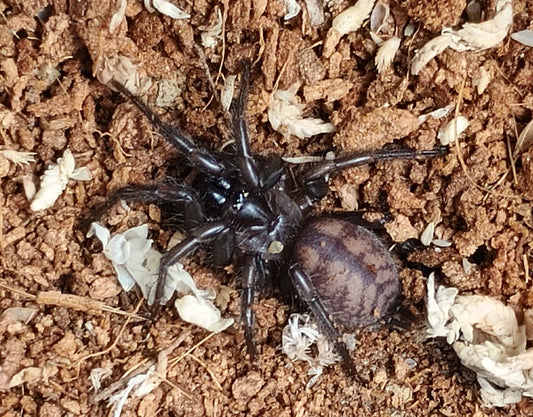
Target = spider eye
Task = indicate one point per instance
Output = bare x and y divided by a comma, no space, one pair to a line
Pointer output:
240,200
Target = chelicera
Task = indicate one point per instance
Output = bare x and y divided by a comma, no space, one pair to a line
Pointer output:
251,211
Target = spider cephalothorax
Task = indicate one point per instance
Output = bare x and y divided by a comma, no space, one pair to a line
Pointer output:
250,211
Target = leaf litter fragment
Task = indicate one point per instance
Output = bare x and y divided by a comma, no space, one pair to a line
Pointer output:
202,313
482,78
427,235
488,339
21,314
97,375
436,114
524,141
315,12
139,385
143,377
353,17
28,375
165,7
226,94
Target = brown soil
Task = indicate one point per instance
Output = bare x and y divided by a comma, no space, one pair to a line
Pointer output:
50,100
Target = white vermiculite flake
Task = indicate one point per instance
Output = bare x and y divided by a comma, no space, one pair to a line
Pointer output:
471,37
136,262
55,180
298,336
488,338
285,114
18,157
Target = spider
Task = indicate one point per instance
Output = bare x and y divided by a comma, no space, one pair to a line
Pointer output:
251,211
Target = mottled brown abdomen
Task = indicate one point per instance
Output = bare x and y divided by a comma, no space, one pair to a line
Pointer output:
352,272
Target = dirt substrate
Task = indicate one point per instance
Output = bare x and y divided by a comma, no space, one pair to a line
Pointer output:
50,99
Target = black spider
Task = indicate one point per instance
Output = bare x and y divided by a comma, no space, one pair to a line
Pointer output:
254,213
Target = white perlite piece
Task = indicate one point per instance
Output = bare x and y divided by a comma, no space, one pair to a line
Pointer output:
285,116
488,339
55,180
471,37
136,262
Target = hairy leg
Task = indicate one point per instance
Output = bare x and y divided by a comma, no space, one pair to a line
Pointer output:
249,284
306,292
154,193
326,167
198,157
198,236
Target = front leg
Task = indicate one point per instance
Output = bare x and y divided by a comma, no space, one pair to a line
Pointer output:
246,161
201,235
326,167
199,158
193,213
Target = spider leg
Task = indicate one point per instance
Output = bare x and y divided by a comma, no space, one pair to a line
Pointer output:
306,292
326,167
198,157
249,281
157,193
247,163
197,237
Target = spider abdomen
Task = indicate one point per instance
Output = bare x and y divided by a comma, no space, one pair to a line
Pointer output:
352,273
